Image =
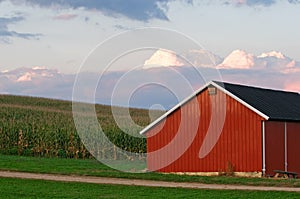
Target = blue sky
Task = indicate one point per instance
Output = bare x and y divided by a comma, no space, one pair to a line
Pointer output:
59,34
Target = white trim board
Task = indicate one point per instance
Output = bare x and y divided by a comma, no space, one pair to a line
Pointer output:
155,122
241,101
158,120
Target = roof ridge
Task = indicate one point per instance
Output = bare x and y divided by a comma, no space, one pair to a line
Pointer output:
220,83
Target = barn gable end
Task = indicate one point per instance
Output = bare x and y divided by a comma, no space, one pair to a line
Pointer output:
212,131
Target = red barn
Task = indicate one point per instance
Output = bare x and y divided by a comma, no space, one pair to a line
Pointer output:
226,125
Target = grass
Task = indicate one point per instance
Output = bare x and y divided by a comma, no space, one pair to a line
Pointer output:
24,188
94,168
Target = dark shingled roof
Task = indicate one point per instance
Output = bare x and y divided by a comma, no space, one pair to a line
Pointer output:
277,105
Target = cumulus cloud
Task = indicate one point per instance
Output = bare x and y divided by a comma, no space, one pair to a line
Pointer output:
278,55
192,57
6,33
274,61
162,57
156,85
238,59
37,81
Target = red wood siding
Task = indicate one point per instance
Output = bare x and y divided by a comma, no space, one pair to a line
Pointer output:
239,143
274,134
293,147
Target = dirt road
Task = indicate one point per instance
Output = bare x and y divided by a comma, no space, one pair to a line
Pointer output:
149,183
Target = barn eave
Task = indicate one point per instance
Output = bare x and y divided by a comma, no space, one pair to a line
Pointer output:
158,120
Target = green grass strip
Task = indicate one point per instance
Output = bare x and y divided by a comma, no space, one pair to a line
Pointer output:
24,188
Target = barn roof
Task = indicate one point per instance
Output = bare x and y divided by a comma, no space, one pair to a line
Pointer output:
268,103
276,104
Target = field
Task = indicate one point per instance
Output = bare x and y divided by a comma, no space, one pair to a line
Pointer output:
45,128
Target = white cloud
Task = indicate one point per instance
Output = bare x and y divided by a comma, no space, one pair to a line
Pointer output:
25,78
238,59
163,81
278,55
162,57
273,60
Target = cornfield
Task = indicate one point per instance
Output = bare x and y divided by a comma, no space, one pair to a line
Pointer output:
44,127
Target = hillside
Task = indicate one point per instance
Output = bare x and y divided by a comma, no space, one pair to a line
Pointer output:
44,127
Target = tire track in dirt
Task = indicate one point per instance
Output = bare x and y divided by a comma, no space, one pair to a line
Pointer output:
137,182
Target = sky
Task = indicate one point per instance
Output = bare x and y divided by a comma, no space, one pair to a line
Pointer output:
60,34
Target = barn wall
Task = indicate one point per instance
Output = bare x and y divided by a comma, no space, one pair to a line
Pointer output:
239,143
274,136
293,142
282,146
